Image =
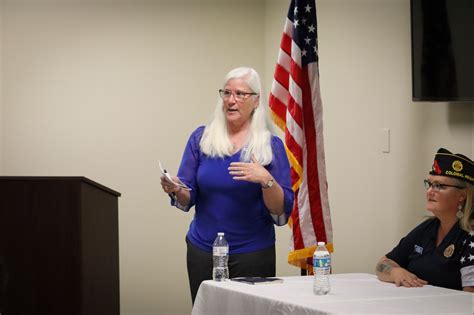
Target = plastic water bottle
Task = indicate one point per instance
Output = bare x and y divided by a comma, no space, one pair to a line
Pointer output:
220,253
322,269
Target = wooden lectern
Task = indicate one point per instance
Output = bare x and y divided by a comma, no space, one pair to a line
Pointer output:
59,243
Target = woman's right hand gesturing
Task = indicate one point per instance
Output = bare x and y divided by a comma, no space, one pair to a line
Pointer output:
169,187
180,195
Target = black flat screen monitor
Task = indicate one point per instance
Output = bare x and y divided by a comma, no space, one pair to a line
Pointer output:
442,50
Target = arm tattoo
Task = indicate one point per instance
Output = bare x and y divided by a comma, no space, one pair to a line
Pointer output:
385,266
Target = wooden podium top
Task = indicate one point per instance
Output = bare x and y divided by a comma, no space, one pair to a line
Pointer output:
61,178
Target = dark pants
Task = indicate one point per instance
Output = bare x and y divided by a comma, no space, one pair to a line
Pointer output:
3,284
256,264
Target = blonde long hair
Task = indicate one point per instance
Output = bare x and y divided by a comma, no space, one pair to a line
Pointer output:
467,220
215,141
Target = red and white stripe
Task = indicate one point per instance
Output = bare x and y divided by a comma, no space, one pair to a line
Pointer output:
295,101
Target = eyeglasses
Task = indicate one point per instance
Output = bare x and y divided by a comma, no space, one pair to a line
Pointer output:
239,96
438,186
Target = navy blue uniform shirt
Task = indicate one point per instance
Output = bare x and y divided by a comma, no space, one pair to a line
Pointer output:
450,265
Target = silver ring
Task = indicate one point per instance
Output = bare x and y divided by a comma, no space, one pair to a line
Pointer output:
241,172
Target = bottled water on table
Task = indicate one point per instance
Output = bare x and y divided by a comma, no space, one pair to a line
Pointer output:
322,269
220,254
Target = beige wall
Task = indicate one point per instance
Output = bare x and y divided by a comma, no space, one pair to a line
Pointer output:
105,89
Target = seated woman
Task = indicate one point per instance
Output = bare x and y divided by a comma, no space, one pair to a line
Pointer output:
439,251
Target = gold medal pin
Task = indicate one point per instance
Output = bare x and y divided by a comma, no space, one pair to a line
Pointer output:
448,252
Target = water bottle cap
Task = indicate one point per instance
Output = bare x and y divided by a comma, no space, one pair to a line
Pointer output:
220,233
321,243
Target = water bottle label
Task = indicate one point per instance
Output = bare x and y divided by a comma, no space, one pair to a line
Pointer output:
322,262
220,251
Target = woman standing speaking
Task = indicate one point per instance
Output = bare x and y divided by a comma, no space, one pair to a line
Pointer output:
239,177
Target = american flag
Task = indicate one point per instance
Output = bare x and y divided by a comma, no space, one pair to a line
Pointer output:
295,101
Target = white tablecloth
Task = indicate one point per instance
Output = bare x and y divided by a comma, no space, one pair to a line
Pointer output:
350,293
